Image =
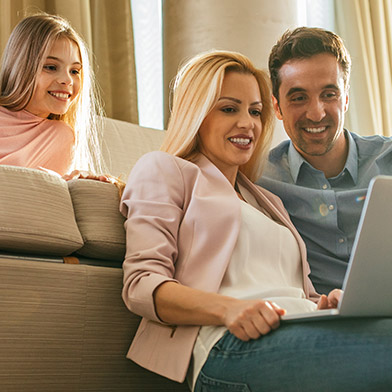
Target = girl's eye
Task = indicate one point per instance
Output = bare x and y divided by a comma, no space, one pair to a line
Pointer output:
75,72
50,67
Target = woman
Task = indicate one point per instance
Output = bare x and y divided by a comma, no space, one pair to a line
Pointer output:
49,110
213,261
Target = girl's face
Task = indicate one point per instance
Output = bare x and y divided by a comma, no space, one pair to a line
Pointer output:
58,82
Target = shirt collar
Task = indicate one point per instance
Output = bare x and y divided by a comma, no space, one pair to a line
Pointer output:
352,158
296,160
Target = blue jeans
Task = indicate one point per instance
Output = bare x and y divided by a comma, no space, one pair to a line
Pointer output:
335,355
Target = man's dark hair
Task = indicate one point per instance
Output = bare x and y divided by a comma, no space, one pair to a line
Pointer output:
305,42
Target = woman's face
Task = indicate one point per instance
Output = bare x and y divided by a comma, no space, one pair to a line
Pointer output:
58,82
229,133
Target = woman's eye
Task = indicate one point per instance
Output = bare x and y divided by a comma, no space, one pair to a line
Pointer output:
228,110
75,72
255,112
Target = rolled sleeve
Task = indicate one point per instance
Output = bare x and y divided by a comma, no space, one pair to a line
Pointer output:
153,205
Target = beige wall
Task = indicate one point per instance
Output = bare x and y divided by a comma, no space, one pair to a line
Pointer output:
247,26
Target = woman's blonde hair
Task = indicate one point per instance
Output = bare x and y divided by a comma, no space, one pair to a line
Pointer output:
196,90
23,59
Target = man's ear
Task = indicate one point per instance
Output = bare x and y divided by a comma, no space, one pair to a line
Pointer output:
347,101
276,106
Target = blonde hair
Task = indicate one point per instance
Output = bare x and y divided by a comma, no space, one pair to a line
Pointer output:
22,60
196,90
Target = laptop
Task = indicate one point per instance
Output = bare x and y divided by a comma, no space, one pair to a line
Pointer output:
368,281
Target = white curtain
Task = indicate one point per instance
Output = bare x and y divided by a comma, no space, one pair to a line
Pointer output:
106,26
366,26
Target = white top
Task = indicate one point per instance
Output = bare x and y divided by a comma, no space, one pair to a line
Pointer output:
265,264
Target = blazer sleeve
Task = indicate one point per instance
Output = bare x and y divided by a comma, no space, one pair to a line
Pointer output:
152,203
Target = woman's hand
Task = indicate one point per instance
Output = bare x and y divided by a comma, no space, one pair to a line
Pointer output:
246,319
330,301
249,319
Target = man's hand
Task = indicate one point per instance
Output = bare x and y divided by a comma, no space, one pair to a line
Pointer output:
330,301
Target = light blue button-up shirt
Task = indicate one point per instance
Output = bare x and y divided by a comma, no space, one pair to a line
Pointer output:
326,211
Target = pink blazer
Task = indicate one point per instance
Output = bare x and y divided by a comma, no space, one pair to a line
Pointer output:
183,221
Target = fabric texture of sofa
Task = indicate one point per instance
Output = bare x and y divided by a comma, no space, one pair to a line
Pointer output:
63,325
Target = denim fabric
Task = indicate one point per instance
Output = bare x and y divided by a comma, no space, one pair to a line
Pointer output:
206,384
335,355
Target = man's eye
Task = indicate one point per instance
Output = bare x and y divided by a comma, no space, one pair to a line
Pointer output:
298,98
330,95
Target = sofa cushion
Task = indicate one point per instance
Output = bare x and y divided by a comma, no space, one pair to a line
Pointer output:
100,222
36,213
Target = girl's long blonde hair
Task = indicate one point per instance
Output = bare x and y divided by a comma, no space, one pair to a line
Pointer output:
23,59
196,90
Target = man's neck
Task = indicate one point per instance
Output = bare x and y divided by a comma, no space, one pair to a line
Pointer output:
332,162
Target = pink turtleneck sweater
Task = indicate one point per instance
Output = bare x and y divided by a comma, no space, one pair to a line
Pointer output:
30,141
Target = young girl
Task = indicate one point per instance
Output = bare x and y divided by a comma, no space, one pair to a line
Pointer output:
49,111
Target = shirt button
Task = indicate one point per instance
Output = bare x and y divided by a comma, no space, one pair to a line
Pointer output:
323,210
341,240
331,207
325,186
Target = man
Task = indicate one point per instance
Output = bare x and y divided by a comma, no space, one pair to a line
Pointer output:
322,173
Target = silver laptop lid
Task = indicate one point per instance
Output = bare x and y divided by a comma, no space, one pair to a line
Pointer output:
368,282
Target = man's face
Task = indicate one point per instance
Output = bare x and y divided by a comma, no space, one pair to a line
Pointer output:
312,103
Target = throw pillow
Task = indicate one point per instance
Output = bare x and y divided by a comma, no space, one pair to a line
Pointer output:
36,213
96,206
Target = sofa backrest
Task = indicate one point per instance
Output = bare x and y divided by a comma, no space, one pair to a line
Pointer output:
124,143
42,214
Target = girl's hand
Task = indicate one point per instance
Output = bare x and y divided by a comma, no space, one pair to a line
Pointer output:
82,174
250,319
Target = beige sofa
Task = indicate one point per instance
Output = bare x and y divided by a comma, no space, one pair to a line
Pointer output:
63,325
